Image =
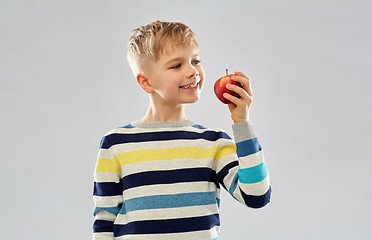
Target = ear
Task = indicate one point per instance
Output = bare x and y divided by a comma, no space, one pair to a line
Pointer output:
144,83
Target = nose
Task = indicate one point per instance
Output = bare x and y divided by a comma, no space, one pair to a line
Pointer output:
192,71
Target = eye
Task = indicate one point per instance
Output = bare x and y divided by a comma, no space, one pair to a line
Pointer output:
176,66
196,62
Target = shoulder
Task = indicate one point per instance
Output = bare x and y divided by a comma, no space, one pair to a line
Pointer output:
211,133
118,135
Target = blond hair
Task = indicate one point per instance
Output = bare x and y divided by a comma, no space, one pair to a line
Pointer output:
150,41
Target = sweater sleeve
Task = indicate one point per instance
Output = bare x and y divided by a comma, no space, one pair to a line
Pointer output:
107,193
243,173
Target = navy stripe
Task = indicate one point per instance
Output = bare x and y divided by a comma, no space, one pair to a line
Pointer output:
119,138
107,189
168,225
224,171
257,201
169,176
103,226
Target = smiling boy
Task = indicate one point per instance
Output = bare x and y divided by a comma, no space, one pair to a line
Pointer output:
165,81
160,177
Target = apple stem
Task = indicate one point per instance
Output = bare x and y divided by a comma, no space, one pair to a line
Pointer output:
227,71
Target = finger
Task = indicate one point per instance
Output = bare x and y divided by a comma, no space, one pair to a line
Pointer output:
241,74
239,90
239,102
249,89
245,81
244,100
232,99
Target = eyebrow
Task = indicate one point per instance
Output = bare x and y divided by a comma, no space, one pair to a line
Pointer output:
179,58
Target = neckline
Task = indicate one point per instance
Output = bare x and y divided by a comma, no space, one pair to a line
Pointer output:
171,124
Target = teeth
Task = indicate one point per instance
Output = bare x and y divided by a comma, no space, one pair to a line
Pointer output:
190,86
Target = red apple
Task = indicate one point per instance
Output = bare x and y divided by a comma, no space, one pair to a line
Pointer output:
220,88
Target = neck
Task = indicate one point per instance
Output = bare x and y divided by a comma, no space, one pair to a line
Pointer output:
165,113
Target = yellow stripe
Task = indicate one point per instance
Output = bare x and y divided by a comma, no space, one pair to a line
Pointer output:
216,152
108,165
224,151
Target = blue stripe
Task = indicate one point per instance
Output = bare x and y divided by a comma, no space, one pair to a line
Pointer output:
168,225
107,189
215,238
169,201
248,147
119,138
254,174
113,210
128,126
224,171
103,226
257,201
233,185
168,177
199,126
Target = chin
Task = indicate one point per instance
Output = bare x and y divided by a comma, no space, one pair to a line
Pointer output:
192,100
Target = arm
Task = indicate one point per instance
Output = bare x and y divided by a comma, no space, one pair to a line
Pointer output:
107,193
245,173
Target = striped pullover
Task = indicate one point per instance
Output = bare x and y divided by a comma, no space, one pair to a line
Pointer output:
162,180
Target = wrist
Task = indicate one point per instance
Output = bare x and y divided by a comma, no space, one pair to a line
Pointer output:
243,131
236,121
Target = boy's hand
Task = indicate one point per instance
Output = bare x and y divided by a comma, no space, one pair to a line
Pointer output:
239,107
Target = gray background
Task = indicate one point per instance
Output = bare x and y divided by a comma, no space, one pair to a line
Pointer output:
65,82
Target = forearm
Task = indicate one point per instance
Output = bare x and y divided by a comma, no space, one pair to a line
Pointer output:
107,195
245,173
253,174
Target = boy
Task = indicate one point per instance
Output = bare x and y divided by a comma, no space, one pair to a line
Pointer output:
160,177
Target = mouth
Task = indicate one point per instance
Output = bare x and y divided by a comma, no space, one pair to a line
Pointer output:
193,85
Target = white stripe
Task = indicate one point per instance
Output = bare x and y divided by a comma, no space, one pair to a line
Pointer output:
230,176
251,160
106,177
256,189
169,144
108,201
103,215
238,196
244,162
103,154
160,165
218,193
103,236
225,160
167,213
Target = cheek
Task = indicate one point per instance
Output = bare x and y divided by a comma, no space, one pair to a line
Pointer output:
202,75
201,72
174,79
172,82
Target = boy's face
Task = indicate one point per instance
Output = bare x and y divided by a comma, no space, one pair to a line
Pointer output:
177,76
